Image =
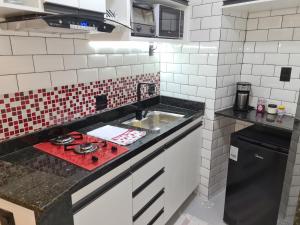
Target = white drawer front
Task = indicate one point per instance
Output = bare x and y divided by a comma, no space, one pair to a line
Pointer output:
151,212
143,174
148,193
99,182
160,220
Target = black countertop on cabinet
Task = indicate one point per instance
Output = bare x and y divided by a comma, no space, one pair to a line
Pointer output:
268,120
41,182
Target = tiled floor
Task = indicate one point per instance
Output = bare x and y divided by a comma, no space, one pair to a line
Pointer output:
199,212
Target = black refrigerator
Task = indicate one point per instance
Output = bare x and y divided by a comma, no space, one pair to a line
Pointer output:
256,170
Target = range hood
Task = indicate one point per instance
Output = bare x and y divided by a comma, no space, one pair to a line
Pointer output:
62,24
62,20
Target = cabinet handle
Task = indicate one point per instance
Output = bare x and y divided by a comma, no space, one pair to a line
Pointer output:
259,157
148,182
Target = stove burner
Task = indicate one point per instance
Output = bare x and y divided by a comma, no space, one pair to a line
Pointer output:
87,153
85,148
66,139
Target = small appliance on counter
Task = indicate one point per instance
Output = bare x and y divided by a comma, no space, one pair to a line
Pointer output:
272,109
142,19
242,97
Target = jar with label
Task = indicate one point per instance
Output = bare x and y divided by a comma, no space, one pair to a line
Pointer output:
261,105
281,110
272,109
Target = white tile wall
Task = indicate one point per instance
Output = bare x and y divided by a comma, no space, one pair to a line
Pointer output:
203,74
8,84
16,64
43,63
61,78
271,43
27,82
30,61
87,75
28,45
60,46
5,47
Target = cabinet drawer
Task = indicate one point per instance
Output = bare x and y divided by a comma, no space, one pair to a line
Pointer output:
82,193
148,170
140,200
147,216
159,220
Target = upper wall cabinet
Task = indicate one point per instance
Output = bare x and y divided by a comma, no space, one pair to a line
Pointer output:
92,5
258,5
71,3
16,7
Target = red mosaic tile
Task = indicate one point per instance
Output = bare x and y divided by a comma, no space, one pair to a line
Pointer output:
26,112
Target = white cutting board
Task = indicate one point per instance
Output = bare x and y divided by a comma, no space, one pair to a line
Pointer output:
107,132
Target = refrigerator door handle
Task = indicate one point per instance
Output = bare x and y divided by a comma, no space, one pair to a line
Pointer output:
259,156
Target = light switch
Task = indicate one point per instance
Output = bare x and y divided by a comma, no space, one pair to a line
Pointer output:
285,74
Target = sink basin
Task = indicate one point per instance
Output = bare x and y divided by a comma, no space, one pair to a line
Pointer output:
154,120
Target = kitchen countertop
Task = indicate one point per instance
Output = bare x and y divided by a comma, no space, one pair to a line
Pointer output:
272,121
38,181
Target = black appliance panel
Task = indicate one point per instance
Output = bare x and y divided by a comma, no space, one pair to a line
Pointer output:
170,23
254,182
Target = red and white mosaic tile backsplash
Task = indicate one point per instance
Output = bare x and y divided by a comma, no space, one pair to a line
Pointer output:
25,112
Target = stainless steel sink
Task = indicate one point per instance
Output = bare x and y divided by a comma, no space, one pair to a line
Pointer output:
154,120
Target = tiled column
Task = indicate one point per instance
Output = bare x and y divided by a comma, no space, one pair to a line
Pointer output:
206,69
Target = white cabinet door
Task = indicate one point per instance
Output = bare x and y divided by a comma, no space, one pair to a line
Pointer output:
182,171
193,145
112,208
174,193
93,5
72,3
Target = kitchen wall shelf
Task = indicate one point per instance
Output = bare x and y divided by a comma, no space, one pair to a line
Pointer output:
8,8
261,5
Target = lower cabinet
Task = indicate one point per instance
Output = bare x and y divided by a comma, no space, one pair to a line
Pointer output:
182,171
151,192
112,208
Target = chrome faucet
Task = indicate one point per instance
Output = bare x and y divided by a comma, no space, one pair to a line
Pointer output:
151,91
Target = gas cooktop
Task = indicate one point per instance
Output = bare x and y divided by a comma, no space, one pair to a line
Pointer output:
82,150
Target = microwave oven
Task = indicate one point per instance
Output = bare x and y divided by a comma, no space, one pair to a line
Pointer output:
169,21
142,19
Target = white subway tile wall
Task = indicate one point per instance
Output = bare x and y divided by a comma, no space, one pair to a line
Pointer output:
207,69
271,43
30,61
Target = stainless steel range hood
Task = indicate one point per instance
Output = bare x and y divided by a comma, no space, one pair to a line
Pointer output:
62,20
63,24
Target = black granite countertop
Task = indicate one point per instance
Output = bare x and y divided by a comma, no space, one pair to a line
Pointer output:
273,121
37,181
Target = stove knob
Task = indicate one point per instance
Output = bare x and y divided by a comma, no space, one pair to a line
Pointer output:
114,149
104,143
95,159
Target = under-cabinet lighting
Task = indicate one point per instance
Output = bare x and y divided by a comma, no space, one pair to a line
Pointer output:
119,45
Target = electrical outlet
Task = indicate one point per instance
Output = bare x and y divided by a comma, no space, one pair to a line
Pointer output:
101,102
285,74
